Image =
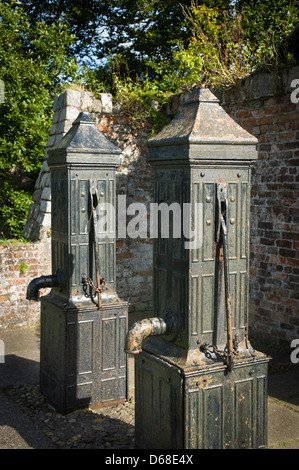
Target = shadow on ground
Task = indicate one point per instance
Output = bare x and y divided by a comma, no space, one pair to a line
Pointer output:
39,425
283,373
27,420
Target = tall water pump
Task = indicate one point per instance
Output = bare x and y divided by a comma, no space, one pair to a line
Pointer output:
83,321
198,382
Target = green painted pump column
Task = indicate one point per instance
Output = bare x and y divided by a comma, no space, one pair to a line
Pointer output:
198,382
83,321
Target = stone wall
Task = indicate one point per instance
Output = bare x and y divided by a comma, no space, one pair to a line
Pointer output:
262,105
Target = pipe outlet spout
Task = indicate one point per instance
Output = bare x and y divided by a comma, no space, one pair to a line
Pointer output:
54,280
145,328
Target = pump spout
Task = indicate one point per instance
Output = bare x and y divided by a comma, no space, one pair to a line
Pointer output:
148,327
54,280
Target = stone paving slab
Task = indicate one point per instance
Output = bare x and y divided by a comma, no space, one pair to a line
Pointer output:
283,425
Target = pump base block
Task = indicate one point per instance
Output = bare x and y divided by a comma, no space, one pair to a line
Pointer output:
83,363
203,408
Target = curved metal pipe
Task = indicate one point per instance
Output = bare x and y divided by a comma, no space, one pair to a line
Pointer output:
148,327
54,280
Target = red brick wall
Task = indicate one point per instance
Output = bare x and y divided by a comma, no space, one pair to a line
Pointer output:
269,114
19,264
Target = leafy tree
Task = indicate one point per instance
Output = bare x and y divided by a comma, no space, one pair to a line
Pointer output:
85,20
33,67
133,32
225,45
266,26
135,29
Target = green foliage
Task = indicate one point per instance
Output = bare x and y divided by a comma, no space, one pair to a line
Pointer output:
15,204
223,43
134,28
266,27
152,30
148,46
224,46
23,267
141,101
33,68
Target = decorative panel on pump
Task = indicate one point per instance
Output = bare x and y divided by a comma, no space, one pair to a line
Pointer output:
206,308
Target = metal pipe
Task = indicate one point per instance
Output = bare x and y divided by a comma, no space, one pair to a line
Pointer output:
148,327
54,280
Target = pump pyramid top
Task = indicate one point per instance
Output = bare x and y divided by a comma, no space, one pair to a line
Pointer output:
202,130
82,143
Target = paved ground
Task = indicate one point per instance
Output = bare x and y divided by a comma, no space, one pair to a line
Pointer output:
27,422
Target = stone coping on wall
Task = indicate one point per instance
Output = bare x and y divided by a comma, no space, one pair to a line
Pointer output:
260,84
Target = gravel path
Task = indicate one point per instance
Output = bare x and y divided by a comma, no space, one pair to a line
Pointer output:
107,428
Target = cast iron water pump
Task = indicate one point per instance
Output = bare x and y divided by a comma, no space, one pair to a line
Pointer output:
83,321
198,382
